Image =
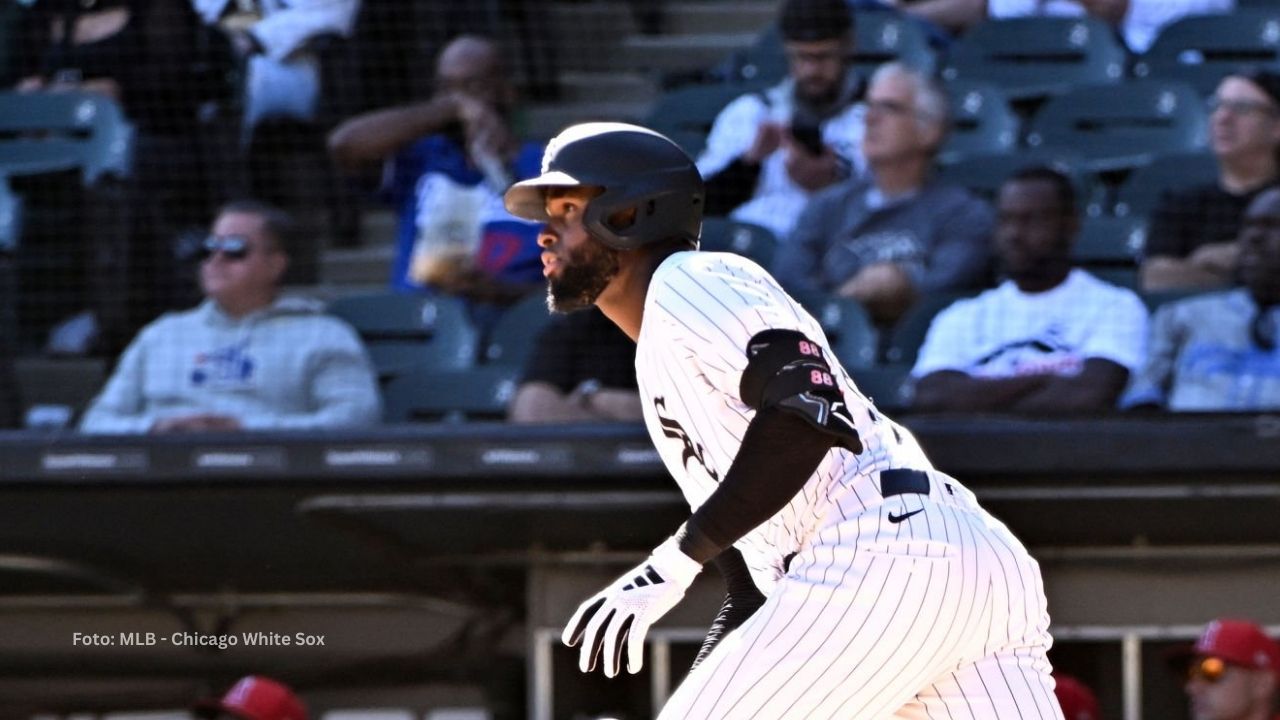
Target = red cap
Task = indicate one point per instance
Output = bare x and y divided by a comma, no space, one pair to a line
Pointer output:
1077,700
1240,642
259,698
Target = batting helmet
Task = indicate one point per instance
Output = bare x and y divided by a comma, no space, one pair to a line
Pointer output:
637,167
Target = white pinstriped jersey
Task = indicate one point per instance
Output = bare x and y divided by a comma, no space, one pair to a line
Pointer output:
700,312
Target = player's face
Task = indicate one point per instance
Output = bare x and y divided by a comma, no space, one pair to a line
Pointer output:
818,68
1260,247
577,266
1033,231
1235,694
239,260
1245,120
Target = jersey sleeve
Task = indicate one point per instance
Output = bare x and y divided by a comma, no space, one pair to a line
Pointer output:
711,307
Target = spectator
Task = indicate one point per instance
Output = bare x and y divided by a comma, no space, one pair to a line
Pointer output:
582,368
1191,244
1234,673
1137,21
448,158
282,75
1218,351
1077,700
1051,338
885,238
254,697
245,358
768,151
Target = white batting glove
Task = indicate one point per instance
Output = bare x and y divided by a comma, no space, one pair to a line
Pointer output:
623,612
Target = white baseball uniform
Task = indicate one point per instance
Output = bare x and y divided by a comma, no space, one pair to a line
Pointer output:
891,593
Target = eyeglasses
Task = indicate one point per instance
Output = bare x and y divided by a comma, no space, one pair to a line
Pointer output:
1241,107
232,247
1210,670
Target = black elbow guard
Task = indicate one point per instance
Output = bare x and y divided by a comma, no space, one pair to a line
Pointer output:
788,371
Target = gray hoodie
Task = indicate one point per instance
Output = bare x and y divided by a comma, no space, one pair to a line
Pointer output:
286,367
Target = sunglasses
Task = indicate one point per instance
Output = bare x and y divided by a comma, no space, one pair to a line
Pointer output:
232,247
1209,669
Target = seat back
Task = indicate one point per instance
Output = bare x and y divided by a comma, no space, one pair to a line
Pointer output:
54,391
10,217
1107,241
982,121
886,385
89,126
884,36
1202,49
850,330
1032,57
686,114
402,331
907,335
983,174
743,238
1116,127
513,336
1142,189
426,392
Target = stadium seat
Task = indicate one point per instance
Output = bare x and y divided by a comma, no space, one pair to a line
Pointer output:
882,37
850,330
402,331
1202,49
1110,241
54,391
983,174
1033,57
903,340
1141,190
89,126
425,392
10,217
886,385
687,113
747,239
1120,127
513,336
981,121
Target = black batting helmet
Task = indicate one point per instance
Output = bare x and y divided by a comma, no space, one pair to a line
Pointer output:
637,167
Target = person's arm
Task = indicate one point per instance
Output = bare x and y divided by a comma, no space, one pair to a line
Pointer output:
952,390
120,408
538,401
343,388
378,135
1096,387
740,139
284,31
954,15
1208,266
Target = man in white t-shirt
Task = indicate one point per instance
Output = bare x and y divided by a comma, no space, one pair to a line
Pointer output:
1051,338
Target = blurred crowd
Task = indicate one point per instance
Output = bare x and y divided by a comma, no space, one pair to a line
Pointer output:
255,138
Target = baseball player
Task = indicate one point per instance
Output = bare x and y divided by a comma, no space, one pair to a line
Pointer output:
887,591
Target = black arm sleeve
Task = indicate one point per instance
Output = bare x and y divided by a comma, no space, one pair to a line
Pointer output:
742,598
731,187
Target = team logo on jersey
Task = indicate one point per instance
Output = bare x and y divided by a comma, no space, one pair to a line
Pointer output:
672,429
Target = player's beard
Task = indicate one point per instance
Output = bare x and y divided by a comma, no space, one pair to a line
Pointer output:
585,272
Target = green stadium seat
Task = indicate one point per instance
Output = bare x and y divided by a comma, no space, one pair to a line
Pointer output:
1120,127
886,385
747,239
60,127
426,392
903,340
1034,57
849,328
10,217
984,173
882,37
981,121
1202,49
54,391
687,113
1141,190
403,331
516,331
1107,240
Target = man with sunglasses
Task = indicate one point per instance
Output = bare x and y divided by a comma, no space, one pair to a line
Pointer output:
1234,673
245,358
883,239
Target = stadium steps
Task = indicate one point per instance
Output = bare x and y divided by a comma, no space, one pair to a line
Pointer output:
683,53
370,262
714,16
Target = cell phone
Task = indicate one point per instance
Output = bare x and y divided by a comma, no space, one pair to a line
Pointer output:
809,136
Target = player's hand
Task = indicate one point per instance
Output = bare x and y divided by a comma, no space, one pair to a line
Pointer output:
622,613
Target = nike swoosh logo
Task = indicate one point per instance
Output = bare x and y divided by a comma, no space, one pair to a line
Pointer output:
895,519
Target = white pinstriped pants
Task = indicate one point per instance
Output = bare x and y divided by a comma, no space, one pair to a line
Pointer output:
939,616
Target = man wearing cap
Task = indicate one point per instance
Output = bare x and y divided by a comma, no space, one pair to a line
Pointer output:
768,151
1234,673
254,698
1192,243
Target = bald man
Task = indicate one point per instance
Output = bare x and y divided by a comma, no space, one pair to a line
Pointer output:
456,150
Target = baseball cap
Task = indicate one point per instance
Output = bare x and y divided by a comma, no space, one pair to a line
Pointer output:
1077,700
809,20
1239,642
256,698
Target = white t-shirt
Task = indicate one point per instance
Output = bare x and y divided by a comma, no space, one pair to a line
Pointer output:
1141,23
1006,332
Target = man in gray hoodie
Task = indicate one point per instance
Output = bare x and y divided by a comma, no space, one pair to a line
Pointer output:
245,358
